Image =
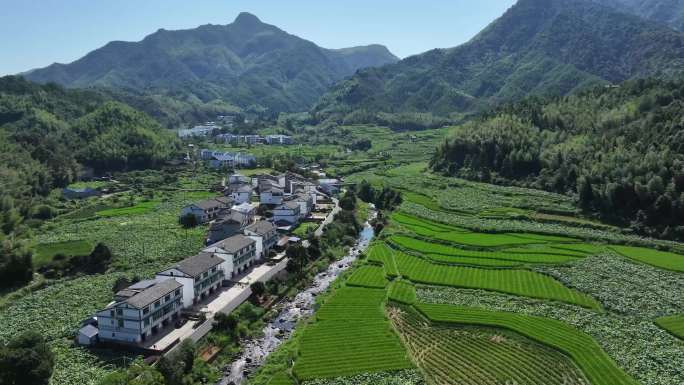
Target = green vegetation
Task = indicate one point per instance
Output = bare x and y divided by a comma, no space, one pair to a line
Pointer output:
596,365
253,83
350,335
519,282
45,252
662,259
140,208
26,360
368,276
593,144
380,253
402,292
673,324
304,229
506,62
452,354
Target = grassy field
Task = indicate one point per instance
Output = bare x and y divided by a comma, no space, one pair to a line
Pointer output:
368,276
350,335
380,253
467,355
44,252
673,324
303,229
596,365
519,282
662,259
402,292
138,209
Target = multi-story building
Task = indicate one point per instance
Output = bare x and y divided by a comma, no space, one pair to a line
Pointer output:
240,192
200,276
209,209
239,251
270,194
231,222
265,234
140,310
287,214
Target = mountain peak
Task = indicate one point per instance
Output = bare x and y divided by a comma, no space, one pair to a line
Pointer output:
246,18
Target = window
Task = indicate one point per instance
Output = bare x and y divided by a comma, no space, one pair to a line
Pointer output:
206,274
119,312
147,321
111,313
121,323
146,310
157,304
167,298
177,292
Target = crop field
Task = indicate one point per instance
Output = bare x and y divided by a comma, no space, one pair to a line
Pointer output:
380,253
281,379
402,291
504,258
596,365
673,324
368,276
662,259
467,355
46,251
140,208
519,282
350,335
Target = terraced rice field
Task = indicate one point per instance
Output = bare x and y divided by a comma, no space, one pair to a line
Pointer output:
519,282
586,353
503,258
350,335
380,253
368,276
466,355
281,379
673,324
403,292
662,259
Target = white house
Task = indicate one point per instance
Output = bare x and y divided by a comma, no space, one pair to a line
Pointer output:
200,276
246,209
279,139
238,179
288,212
239,252
140,310
240,193
306,204
265,234
270,194
207,210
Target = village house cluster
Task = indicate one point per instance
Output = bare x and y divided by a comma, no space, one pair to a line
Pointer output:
245,225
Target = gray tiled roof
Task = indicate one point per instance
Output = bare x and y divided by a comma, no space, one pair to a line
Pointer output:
288,205
153,293
198,264
235,243
89,331
210,204
261,227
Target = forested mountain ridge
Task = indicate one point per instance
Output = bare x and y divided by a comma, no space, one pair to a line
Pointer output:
538,47
247,63
668,12
49,134
620,149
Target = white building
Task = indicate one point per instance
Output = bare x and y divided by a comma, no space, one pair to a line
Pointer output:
200,276
288,212
240,193
306,204
330,186
270,194
207,210
265,234
140,310
246,209
279,139
239,252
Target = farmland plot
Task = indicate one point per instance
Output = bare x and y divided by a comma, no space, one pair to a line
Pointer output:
518,282
596,365
368,276
673,324
379,252
662,259
350,336
467,355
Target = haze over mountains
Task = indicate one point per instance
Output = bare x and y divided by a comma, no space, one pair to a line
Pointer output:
246,63
542,47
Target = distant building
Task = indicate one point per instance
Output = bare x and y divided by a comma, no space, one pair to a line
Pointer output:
207,129
200,275
75,193
240,193
209,209
265,234
306,204
230,222
140,310
279,139
247,209
330,186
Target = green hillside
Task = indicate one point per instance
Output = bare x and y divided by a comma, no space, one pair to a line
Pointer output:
246,64
538,47
669,12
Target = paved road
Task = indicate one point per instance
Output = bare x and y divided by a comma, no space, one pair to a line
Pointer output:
329,218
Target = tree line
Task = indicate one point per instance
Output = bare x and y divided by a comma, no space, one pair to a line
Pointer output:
619,150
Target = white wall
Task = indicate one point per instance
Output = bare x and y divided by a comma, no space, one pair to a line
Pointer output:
188,285
259,246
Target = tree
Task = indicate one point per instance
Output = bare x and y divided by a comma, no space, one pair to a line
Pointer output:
16,266
120,284
586,193
226,322
188,221
258,288
298,258
26,360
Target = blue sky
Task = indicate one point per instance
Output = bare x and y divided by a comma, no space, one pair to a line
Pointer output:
36,33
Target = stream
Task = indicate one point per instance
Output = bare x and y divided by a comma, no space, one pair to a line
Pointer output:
254,352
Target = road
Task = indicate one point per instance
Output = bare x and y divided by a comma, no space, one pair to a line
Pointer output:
329,218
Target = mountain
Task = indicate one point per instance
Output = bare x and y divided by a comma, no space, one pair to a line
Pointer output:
538,47
669,12
246,63
620,149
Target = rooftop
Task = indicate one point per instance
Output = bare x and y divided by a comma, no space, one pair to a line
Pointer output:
198,264
234,243
153,293
261,227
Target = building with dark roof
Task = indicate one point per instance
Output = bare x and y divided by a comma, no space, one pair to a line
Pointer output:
209,209
140,310
265,234
200,275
